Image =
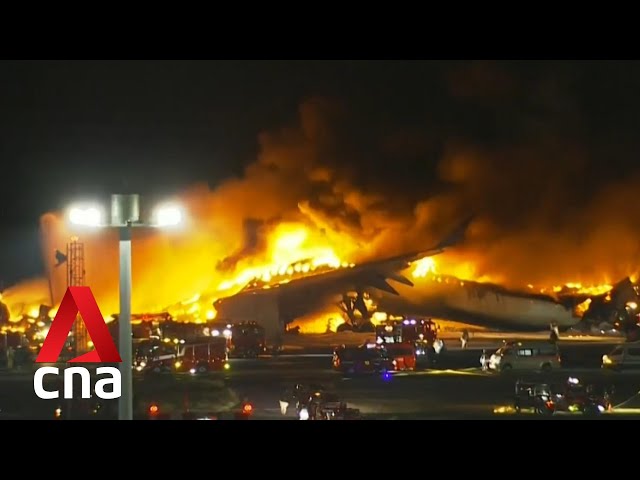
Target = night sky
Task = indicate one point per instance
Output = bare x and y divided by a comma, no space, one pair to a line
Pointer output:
77,128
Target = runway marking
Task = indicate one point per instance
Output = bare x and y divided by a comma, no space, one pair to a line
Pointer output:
466,371
293,355
509,410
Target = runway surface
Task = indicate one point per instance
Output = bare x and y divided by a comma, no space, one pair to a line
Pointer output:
457,389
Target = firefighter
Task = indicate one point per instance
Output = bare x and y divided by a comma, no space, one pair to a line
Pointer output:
285,400
484,360
554,334
464,338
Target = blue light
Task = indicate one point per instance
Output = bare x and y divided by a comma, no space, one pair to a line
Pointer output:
386,376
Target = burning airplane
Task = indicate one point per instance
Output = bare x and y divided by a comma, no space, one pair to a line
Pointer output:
276,304
354,290
301,219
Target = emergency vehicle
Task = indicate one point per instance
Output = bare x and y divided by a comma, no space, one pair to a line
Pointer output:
199,356
154,355
202,356
403,356
420,335
244,339
369,358
423,331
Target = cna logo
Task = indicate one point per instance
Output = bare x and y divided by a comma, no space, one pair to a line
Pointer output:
79,300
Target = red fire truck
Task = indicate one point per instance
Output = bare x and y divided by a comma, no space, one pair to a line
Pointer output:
403,356
419,334
422,331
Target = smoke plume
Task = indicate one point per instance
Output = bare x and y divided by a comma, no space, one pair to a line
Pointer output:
511,148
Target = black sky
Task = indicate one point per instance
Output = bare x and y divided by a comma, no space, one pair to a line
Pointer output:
76,128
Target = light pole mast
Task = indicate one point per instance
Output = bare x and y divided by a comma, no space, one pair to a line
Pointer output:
125,211
125,406
125,215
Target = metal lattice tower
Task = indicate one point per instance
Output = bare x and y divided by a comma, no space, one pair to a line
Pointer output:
75,278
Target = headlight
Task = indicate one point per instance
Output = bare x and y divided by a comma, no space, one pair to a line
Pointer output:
143,364
177,364
606,360
304,414
601,408
227,366
192,371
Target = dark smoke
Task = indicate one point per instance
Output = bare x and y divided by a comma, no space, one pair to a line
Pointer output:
518,148
543,154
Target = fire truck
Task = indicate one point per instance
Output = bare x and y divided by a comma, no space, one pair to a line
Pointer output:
248,340
420,334
153,355
244,339
423,331
197,356
364,359
207,354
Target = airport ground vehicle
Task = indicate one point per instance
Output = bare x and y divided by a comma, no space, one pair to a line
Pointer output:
546,399
532,355
574,396
205,354
153,355
201,355
416,332
315,403
420,334
369,358
328,406
403,356
623,357
244,339
247,340
536,396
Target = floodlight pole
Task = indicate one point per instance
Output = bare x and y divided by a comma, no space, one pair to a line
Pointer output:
125,214
125,405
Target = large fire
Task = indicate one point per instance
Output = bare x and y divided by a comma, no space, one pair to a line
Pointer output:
186,288
299,210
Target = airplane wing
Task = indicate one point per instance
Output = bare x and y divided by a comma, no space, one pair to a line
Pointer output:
376,274
300,296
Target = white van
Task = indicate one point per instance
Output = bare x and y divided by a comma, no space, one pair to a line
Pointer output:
534,355
623,357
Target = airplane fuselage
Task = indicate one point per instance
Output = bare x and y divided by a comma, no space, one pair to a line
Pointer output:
387,281
455,301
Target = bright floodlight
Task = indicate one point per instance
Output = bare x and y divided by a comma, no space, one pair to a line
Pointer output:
167,216
90,216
